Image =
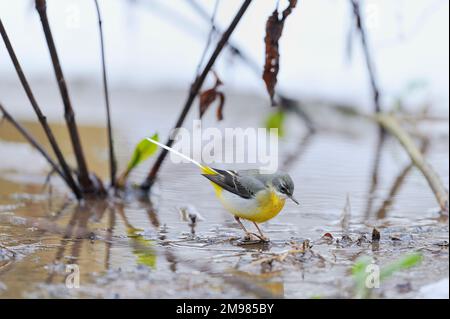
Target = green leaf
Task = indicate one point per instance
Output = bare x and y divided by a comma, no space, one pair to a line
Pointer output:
359,276
276,120
403,263
360,266
144,251
143,151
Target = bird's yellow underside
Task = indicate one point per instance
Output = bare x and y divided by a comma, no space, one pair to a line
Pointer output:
269,204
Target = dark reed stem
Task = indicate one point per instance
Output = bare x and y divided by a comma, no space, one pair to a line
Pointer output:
195,88
32,141
112,157
369,62
41,117
83,173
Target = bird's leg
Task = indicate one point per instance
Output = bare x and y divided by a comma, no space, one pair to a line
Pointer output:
247,233
262,237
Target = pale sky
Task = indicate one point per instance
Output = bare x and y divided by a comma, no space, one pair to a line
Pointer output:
149,47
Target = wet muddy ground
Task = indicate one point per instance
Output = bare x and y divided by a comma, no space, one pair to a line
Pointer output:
138,246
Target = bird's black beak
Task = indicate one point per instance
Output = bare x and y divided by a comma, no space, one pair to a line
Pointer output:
294,200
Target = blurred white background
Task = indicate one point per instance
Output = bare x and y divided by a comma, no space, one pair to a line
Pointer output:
153,44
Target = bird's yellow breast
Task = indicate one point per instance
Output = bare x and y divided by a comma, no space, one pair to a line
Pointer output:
264,207
270,206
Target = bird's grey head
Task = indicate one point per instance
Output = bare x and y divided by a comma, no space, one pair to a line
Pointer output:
284,184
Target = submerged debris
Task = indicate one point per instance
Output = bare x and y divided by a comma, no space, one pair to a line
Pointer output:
327,238
375,235
191,215
297,250
362,240
404,288
345,241
443,243
395,237
6,254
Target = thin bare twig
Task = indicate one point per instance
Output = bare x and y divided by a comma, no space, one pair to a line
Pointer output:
210,37
346,216
375,95
300,150
167,12
381,138
32,141
390,123
195,88
285,102
369,62
295,106
83,173
112,157
398,183
41,117
235,50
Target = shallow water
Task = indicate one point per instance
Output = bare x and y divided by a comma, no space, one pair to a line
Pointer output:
139,247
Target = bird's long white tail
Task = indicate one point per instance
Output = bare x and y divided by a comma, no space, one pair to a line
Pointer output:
170,149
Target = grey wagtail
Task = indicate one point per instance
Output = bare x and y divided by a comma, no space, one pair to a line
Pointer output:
247,194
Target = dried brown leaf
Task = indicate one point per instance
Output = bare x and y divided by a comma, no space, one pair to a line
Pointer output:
327,236
221,97
208,97
274,29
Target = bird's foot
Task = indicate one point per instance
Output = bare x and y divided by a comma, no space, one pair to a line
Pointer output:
248,237
261,238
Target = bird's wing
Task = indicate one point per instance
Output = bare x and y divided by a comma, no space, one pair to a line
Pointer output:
243,186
